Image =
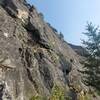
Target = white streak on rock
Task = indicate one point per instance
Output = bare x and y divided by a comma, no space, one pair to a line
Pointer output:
6,35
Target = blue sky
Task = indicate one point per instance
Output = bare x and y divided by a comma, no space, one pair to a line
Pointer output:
69,16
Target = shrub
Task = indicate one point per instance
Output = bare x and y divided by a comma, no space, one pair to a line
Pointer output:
58,93
61,36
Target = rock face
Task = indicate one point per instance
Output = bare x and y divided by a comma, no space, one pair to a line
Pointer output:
79,50
32,57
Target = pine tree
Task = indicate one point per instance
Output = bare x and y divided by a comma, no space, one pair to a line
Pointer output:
61,36
91,71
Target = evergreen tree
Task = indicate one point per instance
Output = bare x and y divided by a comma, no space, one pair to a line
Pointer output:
91,73
61,36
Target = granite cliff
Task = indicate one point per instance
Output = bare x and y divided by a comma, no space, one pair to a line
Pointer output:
33,59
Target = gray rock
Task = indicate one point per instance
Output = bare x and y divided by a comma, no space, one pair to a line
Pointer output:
35,56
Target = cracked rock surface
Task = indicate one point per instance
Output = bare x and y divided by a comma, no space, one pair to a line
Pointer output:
32,56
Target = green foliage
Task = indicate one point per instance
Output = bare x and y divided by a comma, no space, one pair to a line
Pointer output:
58,93
85,97
35,98
92,64
41,15
61,36
98,92
38,98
